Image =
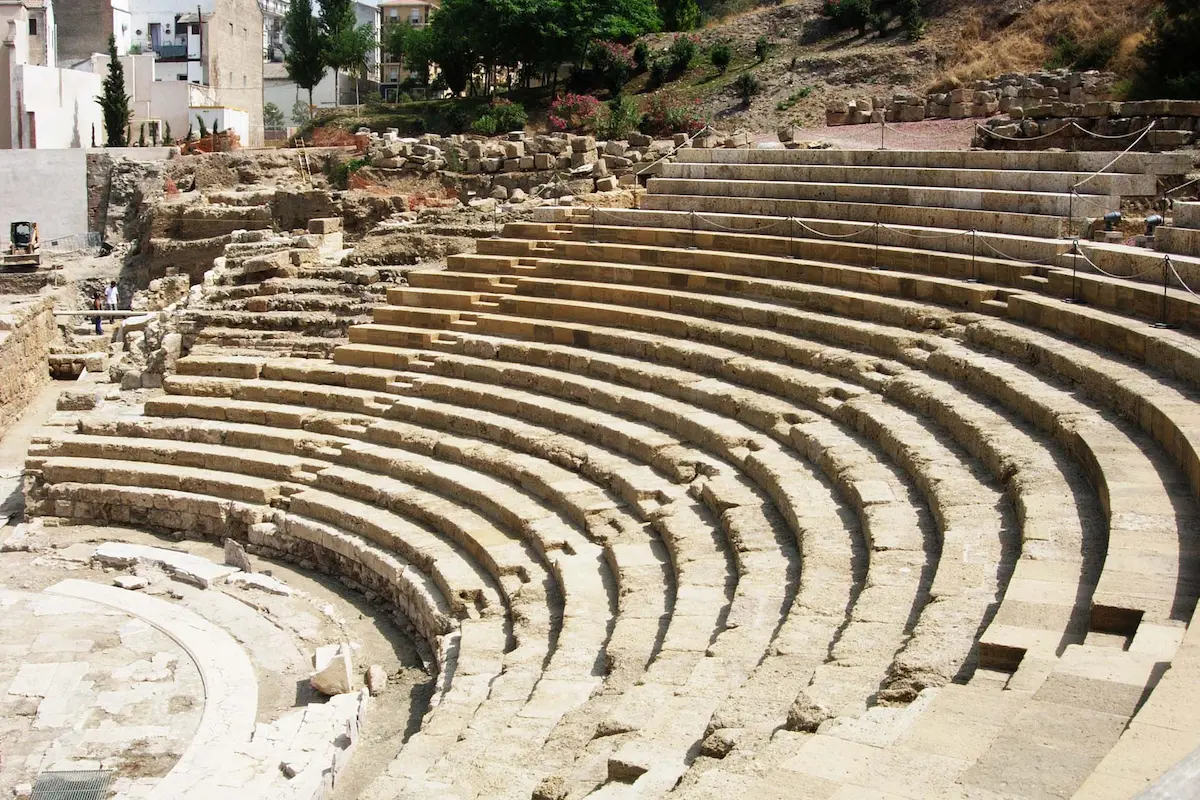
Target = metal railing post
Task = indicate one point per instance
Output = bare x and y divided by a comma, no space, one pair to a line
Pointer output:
1163,323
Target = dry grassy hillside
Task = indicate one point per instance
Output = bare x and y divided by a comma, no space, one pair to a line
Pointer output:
810,62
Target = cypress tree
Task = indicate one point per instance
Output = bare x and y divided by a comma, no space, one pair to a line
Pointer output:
114,103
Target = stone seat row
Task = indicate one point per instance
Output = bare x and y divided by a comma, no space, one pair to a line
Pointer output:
979,277
541,313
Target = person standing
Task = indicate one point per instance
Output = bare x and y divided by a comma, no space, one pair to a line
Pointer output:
98,305
110,296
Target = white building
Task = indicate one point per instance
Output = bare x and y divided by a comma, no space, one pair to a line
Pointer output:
41,106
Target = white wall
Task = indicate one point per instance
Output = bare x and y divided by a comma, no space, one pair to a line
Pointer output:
219,118
63,104
48,187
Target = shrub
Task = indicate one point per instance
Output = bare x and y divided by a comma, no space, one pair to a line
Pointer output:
142,136
613,63
203,126
166,133
486,125
509,116
340,173
914,20
665,114
582,113
1070,53
784,105
747,86
762,48
681,52
1169,53
660,70
857,14
622,118
458,118
641,56
680,15
720,56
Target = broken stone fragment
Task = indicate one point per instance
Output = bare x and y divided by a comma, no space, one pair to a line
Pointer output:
333,670
805,716
719,744
376,680
551,788
235,556
130,582
629,763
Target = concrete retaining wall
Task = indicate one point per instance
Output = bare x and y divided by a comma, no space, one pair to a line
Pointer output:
48,187
26,331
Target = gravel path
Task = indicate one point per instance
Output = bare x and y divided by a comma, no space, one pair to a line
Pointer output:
941,134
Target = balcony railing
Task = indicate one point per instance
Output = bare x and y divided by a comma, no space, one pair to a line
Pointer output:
172,51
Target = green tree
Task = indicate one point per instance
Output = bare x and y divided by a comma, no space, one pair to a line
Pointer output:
1171,68
301,112
346,43
747,86
114,103
680,15
762,48
305,57
272,116
720,56
166,133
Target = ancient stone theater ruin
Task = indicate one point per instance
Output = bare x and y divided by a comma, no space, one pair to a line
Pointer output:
800,473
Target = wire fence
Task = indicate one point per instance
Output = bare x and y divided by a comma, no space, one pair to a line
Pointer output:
65,245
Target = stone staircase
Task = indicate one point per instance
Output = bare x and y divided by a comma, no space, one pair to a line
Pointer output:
283,294
707,513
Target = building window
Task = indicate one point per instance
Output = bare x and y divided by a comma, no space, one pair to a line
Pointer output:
33,26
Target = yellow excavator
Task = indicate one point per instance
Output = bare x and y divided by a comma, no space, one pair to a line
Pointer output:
24,249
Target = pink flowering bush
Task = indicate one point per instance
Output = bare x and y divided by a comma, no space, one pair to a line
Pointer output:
666,114
612,64
579,113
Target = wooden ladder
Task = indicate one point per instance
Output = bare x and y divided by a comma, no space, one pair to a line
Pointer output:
305,166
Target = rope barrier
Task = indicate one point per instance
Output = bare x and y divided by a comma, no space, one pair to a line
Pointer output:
1181,186
937,237
1179,278
719,226
674,150
1121,155
836,235
1112,274
992,133
1002,254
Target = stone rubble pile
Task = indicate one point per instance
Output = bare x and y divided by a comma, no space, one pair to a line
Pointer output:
984,98
498,167
1097,125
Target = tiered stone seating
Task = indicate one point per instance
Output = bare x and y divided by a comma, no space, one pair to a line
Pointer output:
751,519
281,294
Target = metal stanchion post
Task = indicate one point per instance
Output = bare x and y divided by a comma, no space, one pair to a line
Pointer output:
692,246
974,267
882,128
496,221
1074,298
1162,323
877,227
1071,213
791,237
593,215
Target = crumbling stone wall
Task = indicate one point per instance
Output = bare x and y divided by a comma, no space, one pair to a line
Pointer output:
26,331
984,98
1094,126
